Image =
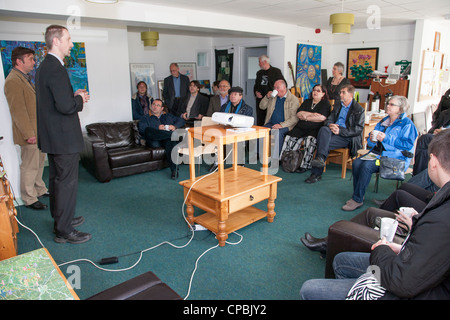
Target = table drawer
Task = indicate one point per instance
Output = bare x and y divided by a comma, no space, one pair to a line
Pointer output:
249,198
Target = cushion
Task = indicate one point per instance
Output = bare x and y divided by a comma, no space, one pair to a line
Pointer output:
125,156
115,135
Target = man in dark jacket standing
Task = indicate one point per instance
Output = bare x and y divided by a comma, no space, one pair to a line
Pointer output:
265,80
342,129
59,133
176,88
417,269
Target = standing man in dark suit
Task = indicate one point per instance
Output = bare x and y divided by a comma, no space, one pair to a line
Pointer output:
59,133
176,87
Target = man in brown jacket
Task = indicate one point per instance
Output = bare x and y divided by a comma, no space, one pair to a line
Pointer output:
21,96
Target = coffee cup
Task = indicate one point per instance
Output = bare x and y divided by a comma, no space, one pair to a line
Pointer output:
274,93
407,211
387,228
374,135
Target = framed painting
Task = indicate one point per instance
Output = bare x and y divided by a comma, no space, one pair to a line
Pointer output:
360,64
309,60
75,63
189,69
160,89
143,72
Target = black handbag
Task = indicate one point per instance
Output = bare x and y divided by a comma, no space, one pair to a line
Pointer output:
392,169
290,160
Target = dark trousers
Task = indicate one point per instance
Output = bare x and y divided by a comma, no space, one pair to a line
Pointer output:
327,141
156,138
408,195
63,187
260,114
421,154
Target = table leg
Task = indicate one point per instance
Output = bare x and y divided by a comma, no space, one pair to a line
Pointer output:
221,235
271,203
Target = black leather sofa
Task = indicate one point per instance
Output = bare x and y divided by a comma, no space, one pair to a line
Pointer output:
114,150
146,286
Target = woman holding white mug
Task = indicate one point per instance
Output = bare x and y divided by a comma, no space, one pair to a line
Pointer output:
396,134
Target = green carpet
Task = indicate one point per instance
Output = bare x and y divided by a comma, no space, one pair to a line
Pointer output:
134,213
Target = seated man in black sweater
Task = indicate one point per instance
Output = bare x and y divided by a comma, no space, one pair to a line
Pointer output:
157,130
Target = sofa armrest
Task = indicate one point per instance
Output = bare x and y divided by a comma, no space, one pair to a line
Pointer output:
348,236
146,286
95,157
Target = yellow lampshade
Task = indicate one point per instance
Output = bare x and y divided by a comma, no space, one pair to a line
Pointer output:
342,22
150,38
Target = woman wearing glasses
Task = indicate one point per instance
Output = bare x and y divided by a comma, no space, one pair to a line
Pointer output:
311,114
393,137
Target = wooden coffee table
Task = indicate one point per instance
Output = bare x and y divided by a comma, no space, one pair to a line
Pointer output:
228,195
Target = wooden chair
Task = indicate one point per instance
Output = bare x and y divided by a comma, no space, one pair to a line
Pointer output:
344,154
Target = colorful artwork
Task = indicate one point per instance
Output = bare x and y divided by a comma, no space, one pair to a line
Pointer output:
75,64
360,64
309,60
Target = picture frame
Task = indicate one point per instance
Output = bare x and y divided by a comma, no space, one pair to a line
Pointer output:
361,62
189,69
160,89
143,72
437,41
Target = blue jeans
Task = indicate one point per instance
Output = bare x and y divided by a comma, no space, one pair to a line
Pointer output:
348,266
362,171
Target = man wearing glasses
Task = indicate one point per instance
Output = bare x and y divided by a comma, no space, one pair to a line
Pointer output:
342,129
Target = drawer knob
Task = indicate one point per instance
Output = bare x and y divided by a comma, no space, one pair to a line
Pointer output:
251,198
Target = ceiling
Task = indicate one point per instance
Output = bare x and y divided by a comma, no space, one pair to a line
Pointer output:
315,13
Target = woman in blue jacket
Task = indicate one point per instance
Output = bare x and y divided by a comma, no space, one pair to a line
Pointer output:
396,134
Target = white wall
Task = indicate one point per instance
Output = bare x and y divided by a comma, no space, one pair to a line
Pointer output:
394,43
171,48
424,40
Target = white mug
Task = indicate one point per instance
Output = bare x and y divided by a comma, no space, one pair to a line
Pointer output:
274,93
407,211
388,228
374,135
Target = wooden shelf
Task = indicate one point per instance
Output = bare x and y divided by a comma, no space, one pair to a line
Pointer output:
235,221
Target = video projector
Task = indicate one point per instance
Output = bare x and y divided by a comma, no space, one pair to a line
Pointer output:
232,119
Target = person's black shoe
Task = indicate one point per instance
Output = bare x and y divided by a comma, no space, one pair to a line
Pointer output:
301,170
77,221
174,174
378,202
74,237
45,195
313,178
318,162
315,244
37,206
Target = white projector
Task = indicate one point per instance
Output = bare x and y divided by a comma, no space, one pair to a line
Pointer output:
233,119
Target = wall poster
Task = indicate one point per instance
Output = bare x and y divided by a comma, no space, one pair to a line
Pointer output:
309,60
75,63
